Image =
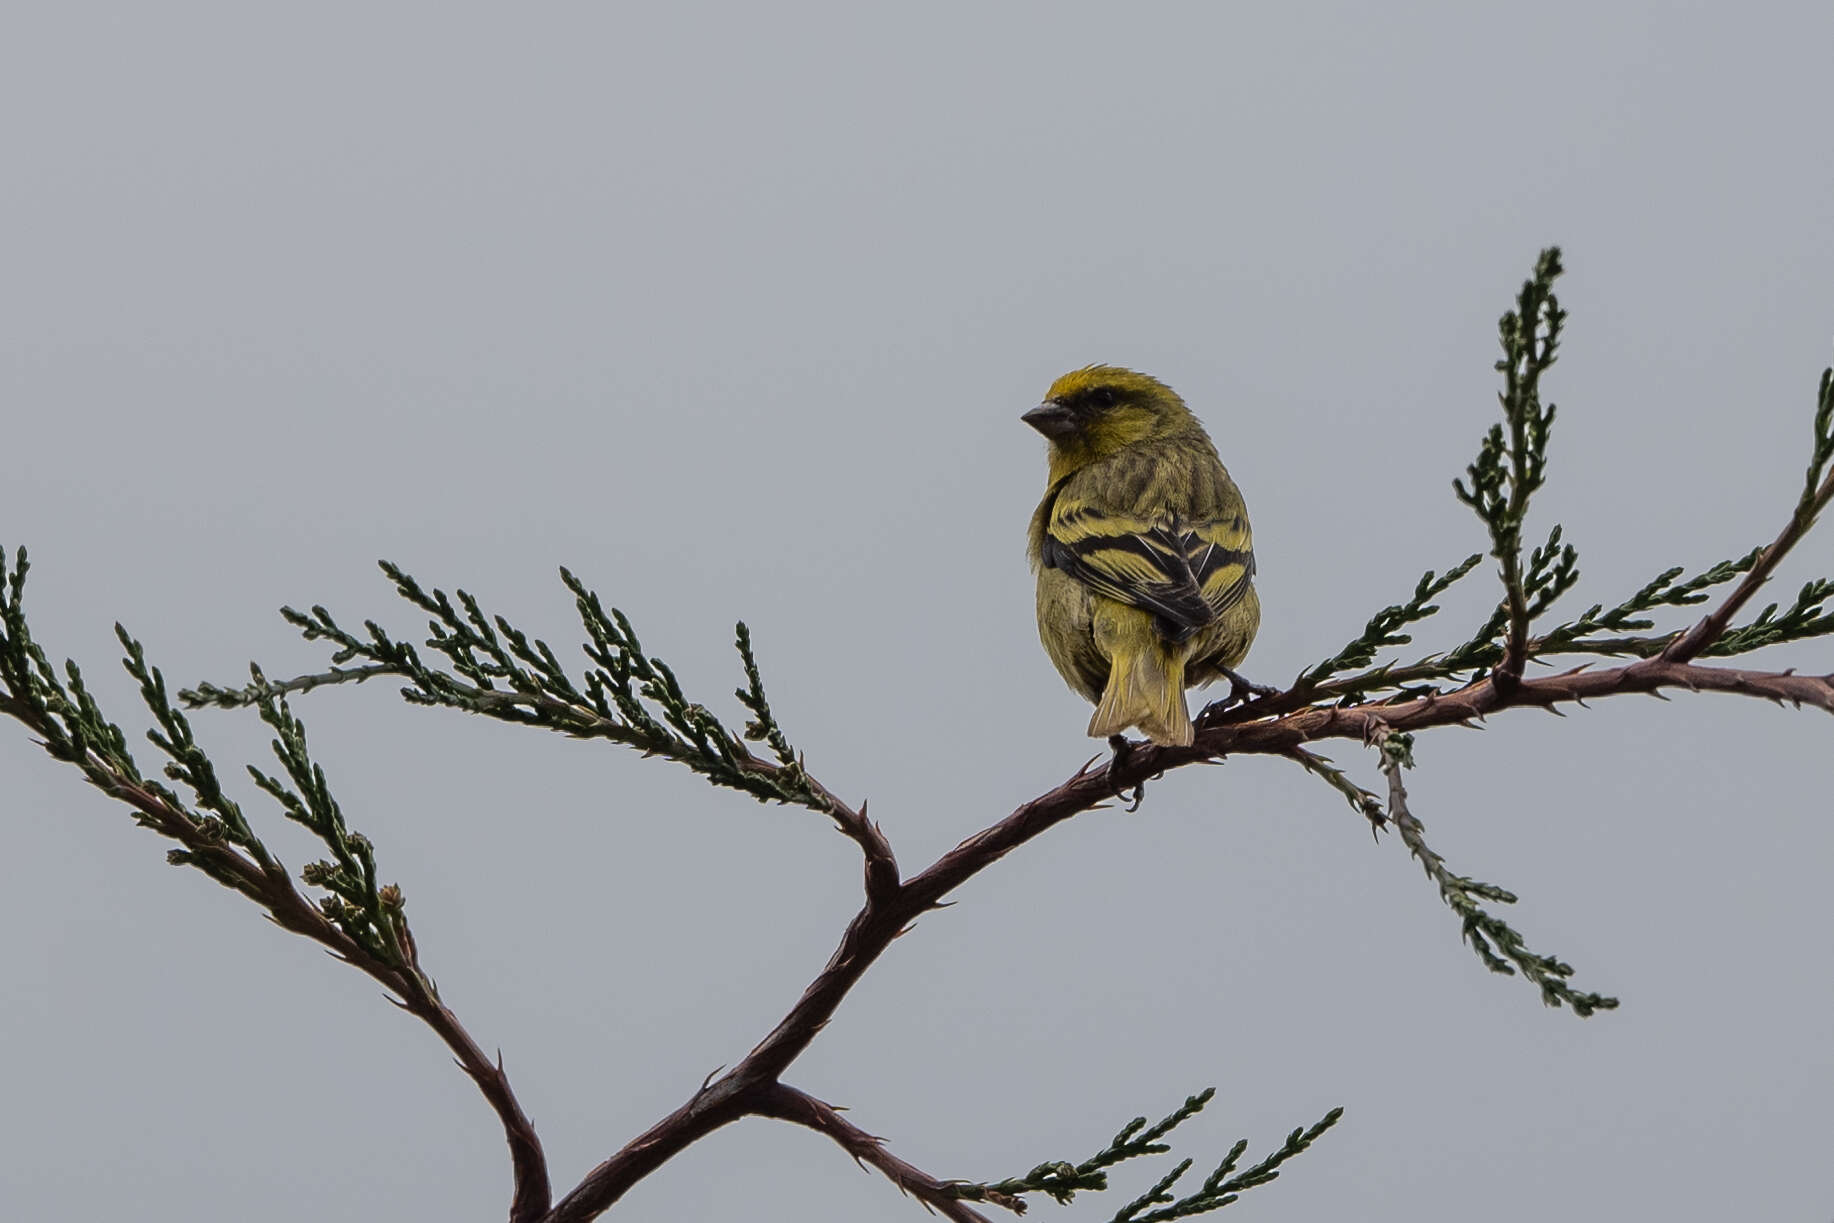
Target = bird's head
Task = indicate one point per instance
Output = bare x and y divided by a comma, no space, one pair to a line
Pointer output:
1093,412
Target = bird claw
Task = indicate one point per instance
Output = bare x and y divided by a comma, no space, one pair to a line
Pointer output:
1241,688
1123,749
1241,691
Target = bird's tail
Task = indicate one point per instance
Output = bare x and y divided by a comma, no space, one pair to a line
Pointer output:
1145,689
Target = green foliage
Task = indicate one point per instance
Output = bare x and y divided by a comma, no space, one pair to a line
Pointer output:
213,834
1552,570
1498,945
1512,461
1361,800
1061,1180
1384,629
1511,464
1576,636
189,766
481,663
488,666
1823,452
370,913
60,711
763,727
1804,618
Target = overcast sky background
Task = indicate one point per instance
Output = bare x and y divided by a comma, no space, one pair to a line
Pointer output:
733,310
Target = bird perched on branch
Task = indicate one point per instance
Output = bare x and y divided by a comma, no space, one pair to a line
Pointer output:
1142,549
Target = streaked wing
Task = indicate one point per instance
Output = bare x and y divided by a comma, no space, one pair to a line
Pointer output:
1186,573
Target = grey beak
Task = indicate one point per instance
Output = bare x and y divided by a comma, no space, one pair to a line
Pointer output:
1051,419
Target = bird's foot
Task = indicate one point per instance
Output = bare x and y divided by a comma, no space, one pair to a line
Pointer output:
1241,691
1241,688
1123,750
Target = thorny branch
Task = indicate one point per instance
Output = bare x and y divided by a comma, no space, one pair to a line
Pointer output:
1712,627
1496,943
786,1103
882,919
66,720
633,699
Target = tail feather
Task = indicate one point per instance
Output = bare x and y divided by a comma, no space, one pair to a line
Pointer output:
1145,689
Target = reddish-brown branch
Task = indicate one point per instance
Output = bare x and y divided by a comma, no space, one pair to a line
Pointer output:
1475,701
1711,626
749,1086
528,1164
881,864
788,1104
754,1087
291,911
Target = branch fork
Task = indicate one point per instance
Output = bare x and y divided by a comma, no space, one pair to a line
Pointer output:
483,664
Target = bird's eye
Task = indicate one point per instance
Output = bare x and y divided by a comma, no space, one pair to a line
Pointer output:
1102,397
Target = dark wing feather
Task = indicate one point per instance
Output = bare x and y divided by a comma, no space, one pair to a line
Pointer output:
1187,574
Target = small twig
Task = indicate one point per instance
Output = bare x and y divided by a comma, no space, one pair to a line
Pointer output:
786,1103
1511,463
255,693
1496,943
1815,497
360,923
1365,803
482,664
292,912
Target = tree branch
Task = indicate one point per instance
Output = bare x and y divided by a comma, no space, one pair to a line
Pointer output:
882,919
1710,627
370,932
786,1103
294,913
632,698
1496,943
501,674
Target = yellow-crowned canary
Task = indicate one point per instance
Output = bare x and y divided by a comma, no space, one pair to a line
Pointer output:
1141,545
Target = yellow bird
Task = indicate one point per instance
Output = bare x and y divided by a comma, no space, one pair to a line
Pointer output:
1142,549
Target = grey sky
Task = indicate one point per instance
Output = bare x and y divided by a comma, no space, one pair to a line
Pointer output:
733,310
